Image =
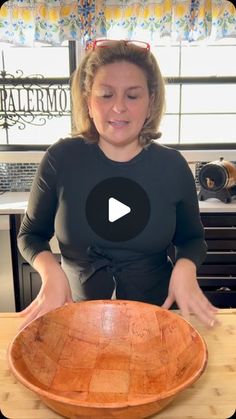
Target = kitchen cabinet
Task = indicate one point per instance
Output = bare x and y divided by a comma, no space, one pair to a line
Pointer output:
7,296
217,275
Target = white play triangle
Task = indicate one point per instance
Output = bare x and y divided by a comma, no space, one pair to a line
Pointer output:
116,209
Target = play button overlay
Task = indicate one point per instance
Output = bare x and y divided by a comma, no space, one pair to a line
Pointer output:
117,209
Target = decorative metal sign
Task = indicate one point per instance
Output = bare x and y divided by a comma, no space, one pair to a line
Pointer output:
31,100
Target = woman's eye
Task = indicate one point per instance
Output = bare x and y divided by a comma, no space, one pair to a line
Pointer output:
107,95
132,97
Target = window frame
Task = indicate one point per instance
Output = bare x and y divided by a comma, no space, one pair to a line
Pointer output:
74,56
181,81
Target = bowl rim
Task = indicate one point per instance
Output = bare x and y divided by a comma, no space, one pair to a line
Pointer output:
47,394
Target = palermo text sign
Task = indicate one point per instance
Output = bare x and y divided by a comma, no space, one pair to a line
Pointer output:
53,100
32,100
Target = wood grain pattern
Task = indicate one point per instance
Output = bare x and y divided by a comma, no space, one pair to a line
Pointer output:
211,397
108,359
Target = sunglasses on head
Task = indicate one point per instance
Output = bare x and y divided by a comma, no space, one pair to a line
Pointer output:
108,43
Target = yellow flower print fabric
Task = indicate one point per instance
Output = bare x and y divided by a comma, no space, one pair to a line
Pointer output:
52,21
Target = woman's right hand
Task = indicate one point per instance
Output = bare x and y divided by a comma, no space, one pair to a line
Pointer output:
55,292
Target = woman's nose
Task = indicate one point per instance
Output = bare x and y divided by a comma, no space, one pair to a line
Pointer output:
119,105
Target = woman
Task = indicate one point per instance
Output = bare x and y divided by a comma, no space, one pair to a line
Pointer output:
118,102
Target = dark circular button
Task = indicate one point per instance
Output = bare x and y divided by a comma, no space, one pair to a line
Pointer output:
117,209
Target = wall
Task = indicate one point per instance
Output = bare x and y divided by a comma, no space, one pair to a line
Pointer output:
17,169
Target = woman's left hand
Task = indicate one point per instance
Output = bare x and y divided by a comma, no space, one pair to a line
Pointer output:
186,292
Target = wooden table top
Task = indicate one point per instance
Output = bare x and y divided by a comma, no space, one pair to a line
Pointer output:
212,396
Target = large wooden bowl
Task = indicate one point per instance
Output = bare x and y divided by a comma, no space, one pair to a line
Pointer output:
108,358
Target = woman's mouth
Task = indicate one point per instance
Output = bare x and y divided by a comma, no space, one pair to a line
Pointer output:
118,124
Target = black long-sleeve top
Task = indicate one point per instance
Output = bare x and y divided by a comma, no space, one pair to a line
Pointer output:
68,172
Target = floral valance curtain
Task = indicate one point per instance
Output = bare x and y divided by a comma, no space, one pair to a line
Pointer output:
188,20
23,22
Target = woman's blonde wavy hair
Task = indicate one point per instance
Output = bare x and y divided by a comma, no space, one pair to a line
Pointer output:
82,81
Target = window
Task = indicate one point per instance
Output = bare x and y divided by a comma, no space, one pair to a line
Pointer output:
34,94
200,90
201,93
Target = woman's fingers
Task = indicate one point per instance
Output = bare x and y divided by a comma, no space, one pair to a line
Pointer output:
168,302
69,300
31,315
52,294
37,309
194,302
185,312
28,309
205,311
199,305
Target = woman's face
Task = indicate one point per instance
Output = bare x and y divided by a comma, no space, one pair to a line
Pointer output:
119,102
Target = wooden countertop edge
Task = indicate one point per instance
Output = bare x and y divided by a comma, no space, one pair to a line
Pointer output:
18,315
11,315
